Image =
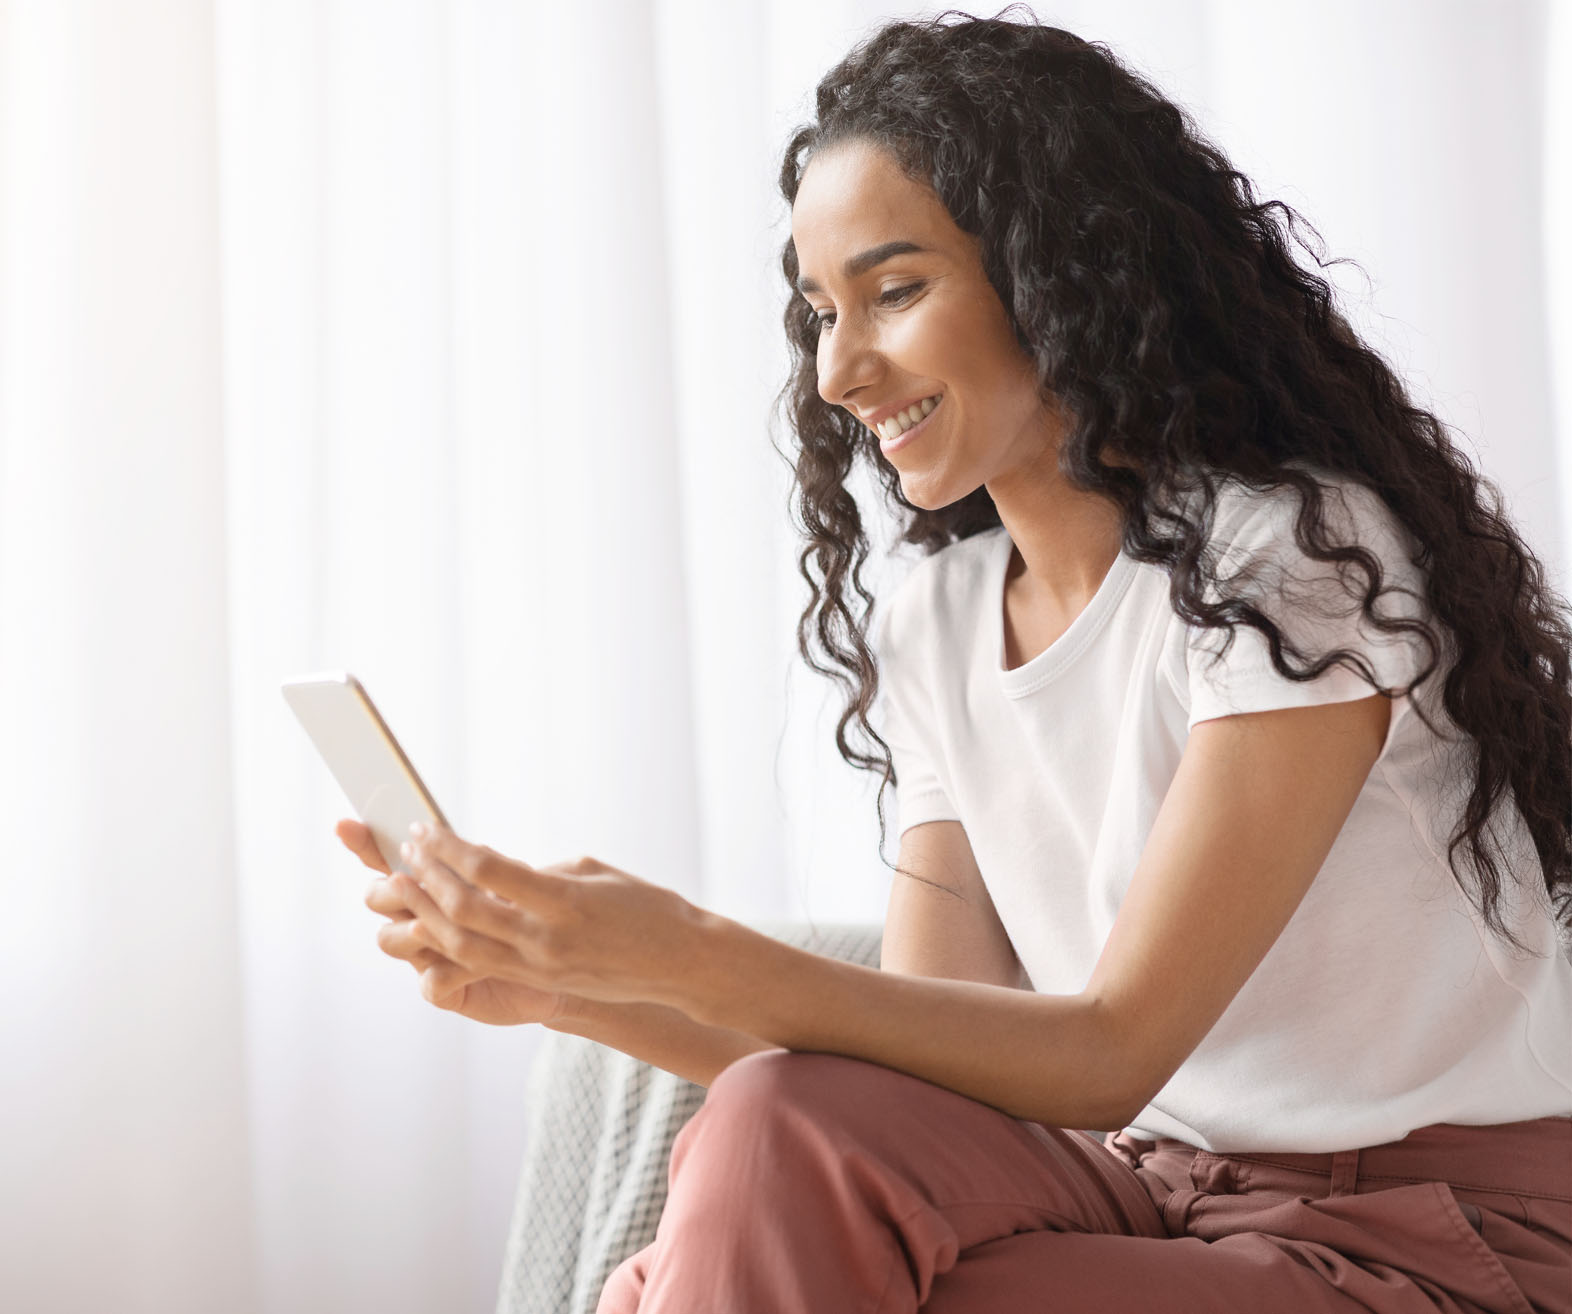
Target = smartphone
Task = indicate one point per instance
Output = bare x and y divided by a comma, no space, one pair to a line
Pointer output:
375,774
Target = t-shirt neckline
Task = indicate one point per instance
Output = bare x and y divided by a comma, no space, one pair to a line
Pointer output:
1046,665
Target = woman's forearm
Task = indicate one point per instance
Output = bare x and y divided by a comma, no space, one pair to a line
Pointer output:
659,1034
1047,1058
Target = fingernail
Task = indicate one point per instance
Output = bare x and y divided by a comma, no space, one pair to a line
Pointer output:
407,849
417,829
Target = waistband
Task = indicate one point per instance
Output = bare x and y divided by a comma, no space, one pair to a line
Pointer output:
1530,1158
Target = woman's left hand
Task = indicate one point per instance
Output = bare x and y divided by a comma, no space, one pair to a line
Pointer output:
582,927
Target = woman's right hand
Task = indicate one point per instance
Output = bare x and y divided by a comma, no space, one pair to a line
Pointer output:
442,981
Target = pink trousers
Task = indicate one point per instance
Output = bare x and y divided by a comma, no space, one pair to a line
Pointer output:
812,1183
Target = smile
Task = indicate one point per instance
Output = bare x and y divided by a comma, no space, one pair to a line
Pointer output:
901,428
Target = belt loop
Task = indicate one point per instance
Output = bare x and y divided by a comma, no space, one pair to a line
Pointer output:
1345,1172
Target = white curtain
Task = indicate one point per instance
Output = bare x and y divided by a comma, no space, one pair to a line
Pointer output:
437,342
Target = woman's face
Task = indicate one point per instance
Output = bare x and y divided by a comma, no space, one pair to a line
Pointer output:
908,318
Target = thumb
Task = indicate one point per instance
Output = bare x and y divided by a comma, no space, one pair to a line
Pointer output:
356,837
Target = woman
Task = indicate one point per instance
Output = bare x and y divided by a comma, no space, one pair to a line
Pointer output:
1232,735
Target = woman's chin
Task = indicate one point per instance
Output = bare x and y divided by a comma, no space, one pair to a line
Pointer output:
928,494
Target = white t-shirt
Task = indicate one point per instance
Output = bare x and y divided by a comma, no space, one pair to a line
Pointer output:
1385,1004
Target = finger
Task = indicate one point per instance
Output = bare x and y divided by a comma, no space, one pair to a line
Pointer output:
398,940
442,980
475,954
463,904
401,939
459,898
508,878
436,929
386,895
404,939
357,838
483,954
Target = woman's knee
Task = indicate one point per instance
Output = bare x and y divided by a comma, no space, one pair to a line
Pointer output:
784,1107
782,1078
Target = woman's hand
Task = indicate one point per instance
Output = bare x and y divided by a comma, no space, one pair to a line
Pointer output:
581,926
442,981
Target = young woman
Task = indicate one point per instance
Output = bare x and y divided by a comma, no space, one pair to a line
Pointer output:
1232,738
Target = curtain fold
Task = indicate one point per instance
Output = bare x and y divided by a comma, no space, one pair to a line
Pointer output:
438,342
123,1100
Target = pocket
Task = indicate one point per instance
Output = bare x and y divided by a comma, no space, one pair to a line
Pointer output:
1419,1229
1471,1228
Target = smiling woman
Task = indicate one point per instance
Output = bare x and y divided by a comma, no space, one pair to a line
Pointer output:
1232,739
976,184
1218,670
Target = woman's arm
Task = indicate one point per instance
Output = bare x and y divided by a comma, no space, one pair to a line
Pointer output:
947,928
659,1034
1247,822
1252,812
941,921
1037,1056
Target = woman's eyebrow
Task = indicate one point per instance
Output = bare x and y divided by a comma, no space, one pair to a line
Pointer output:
862,262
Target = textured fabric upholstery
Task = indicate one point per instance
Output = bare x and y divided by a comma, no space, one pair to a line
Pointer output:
601,1127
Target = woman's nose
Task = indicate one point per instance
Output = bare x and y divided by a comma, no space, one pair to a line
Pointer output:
848,360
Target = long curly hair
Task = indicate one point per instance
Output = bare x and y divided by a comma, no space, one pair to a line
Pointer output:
1163,308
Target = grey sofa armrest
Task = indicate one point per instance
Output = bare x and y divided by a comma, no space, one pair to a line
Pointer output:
601,1127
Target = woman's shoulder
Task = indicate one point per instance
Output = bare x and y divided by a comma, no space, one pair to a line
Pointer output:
1349,504
1256,523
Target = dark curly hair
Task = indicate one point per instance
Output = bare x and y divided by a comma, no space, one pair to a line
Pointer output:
1162,306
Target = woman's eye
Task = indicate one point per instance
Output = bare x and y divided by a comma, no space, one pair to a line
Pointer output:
894,297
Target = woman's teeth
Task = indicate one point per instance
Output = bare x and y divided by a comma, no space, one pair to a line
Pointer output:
901,421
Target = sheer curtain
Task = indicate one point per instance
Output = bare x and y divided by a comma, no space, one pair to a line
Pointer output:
437,342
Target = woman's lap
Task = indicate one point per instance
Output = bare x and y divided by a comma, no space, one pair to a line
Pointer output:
811,1181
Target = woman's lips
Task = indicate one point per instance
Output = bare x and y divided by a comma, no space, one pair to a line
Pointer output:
888,445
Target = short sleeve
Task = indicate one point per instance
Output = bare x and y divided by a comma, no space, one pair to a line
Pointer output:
1317,608
906,721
